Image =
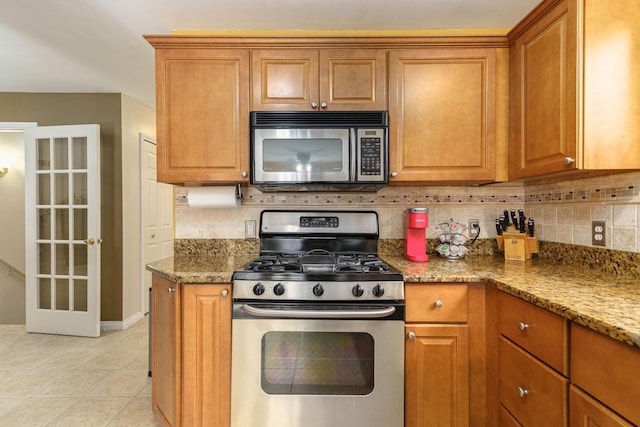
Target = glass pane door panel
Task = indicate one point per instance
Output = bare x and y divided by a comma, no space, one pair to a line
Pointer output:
44,258
61,189
79,295
44,224
79,153
44,293
303,155
62,259
43,190
79,224
62,224
62,294
80,260
61,153
79,188
43,154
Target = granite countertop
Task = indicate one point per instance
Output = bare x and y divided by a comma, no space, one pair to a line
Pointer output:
604,302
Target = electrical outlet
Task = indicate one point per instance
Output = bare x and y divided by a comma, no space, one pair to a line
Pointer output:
250,229
474,227
598,233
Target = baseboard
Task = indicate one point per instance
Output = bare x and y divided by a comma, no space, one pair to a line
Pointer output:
121,325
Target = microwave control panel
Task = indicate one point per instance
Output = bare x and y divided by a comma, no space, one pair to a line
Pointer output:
371,156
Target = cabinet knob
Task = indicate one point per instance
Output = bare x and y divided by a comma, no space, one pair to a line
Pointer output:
522,392
522,326
394,174
244,174
411,335
569,160
438,303
171,290
224,292
314,104
323,105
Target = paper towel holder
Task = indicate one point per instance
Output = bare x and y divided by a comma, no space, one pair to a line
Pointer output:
183,199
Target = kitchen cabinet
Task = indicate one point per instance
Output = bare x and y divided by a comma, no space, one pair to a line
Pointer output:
572,89
533,363
202,113
607,371
191,353
318,79
436,355
447,114
586,411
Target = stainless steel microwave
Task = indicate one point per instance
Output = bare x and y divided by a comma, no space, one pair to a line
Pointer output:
321,150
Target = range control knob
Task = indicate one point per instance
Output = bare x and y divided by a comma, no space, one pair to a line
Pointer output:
378,290
318,290
278,289
357,291
258,289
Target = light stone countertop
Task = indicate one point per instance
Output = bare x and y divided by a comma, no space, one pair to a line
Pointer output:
604,302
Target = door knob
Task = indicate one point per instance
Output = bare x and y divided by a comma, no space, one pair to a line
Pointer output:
89,241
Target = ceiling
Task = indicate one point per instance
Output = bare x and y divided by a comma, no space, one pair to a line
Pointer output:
97,45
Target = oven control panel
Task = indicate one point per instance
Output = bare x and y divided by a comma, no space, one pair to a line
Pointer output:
321,290
319,222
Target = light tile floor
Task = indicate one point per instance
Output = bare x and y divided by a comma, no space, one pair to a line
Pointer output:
53,380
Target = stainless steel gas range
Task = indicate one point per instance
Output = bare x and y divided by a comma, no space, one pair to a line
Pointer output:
318,323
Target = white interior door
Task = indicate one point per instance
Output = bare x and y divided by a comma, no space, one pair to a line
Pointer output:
157,215
62,218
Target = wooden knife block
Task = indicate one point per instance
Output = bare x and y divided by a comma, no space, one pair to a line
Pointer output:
517,246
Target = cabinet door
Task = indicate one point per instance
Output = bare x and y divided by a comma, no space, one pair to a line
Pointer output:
353,79
543,97
436,375
202,115
285,79
586,412
206,355
442,107
166,354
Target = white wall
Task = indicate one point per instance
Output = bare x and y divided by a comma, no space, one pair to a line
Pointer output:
136,118
12,247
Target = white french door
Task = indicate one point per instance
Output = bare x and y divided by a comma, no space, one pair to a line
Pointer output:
62,218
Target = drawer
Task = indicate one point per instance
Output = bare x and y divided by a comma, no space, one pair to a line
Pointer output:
541,333
586,411
436,303
505,419
533,393
607,370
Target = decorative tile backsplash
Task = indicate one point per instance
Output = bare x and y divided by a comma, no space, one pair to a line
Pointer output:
563,211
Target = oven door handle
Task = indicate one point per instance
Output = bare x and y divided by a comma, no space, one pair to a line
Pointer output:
368,313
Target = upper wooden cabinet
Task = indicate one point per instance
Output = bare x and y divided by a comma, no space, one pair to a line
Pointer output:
319,79
447,114
573,86
202,115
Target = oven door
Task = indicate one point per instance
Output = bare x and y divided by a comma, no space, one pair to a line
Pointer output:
311,371
296,155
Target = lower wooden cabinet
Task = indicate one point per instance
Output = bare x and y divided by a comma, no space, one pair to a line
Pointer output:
191,353
587,412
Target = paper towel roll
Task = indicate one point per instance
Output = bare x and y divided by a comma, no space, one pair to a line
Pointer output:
213,197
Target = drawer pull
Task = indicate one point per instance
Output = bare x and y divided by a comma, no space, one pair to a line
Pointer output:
224,292
438,304
522,326
522,392
171,290
411,335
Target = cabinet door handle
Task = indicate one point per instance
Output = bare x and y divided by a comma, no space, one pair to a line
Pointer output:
244,174
522,326
411,335
569,160
314,104
394,174
323,105
171,290
224,292
438,303
522,392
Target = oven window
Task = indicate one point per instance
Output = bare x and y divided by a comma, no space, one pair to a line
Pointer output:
317,363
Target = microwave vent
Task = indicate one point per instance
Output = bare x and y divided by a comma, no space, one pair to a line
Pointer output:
320,118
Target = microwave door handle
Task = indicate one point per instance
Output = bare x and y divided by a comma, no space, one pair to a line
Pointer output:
353,162
375,313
